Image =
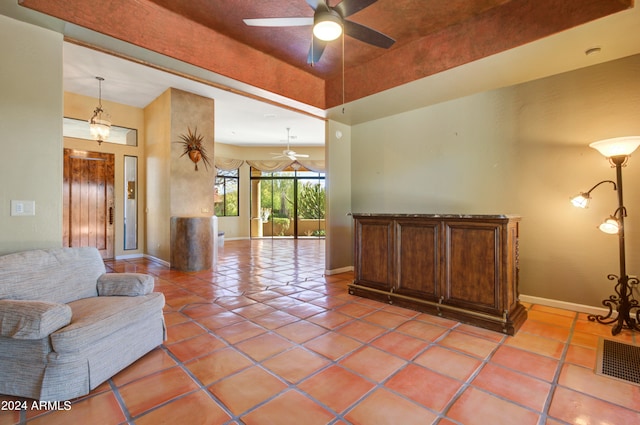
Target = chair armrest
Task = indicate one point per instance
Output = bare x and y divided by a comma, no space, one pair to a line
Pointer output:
21,319
125,284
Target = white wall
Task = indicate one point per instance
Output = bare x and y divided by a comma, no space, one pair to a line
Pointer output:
517,150
31,109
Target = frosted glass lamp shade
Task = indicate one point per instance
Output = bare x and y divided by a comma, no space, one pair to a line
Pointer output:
327,25
619,146
100,123
610,226
99,128
581,200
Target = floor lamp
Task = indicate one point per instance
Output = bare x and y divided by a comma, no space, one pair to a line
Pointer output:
627,307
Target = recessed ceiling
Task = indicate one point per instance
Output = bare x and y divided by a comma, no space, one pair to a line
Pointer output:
444,50
403,20
431,36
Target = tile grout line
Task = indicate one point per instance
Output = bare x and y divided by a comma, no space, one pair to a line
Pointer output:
554,383
543,415
339,416
381,384
201,387
119,399
467,383
335,362
255,363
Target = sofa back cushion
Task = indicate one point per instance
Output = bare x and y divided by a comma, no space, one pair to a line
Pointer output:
57,275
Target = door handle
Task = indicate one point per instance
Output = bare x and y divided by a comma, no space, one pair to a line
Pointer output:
110,215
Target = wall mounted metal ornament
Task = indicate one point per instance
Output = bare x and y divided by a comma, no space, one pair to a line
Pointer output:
192,144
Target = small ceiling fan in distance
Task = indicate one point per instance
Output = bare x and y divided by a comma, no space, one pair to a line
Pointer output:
331,18
288,153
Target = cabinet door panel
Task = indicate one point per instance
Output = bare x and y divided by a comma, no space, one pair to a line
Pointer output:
473,266
374,253
418,259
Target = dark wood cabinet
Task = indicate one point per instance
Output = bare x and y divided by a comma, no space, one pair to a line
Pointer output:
463,267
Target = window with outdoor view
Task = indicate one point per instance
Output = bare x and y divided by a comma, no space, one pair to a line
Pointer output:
226,193
288,203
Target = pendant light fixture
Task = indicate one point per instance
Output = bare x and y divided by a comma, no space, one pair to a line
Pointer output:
99,124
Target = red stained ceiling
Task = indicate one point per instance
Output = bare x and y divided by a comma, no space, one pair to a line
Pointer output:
431,36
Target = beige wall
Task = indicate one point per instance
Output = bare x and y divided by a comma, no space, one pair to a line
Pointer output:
191,190
339,240
81,107
174,187
158,150
30,135
518,150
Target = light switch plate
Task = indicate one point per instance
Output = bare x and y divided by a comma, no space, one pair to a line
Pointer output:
23,208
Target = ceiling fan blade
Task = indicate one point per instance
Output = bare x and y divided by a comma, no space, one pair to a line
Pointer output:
279,22
316,50
367,35
349,7
301,155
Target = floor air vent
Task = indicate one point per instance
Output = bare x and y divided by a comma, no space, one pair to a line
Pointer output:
618,360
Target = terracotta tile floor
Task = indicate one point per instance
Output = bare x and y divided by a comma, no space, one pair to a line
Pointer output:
267,339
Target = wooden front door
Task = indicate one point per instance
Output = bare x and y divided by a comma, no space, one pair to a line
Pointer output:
88,199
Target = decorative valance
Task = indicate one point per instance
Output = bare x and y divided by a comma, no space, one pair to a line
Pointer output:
227,164
271,166
314,165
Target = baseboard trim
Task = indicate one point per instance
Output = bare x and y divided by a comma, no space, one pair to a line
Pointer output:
564,305
157,260
338,271
147,256
129,256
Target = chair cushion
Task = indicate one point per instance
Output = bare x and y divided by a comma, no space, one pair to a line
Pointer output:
21,319
125,284
98,317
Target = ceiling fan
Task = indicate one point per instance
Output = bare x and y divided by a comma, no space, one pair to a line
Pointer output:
331,19
288,153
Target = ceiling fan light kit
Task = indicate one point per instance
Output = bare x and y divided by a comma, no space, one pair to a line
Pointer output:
328,24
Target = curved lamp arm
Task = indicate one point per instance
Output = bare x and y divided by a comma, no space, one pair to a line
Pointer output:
613,223
582,199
